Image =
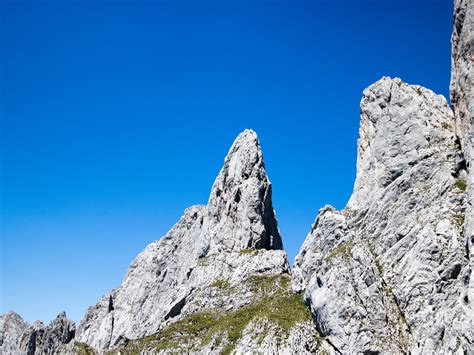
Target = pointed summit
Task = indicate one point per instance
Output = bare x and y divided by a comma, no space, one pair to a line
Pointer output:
241,199
11,328
400,126
211,245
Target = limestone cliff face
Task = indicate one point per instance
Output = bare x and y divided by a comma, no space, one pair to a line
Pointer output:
12,327
18,337
47,339
462,99
213,260
390,271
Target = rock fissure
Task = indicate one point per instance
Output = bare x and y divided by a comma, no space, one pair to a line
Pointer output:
391,273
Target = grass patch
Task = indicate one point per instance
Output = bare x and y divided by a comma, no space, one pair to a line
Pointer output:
281,308
459,219
377,262
447,126
344,250
83,349
248,252
461,184
266,284
221,284
350,213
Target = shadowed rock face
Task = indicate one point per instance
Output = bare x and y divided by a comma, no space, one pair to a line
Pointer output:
462,70
462,99
240,203
235,236
390,271
47,339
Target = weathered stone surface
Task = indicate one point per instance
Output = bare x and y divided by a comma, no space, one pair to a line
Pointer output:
12,327
462,70
462,100
212,250
272,320
47,339
390,272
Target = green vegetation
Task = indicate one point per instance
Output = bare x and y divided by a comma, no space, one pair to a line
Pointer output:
344,250
221,283
461,184
248,251
459,219
378,264
350,213
447,126
266,284
279,306
83,349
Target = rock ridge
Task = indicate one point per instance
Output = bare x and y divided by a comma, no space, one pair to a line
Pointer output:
389,272
232,243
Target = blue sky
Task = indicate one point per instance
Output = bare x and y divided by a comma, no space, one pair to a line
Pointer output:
117,115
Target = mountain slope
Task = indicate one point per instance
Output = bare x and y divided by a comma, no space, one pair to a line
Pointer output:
218,259
388,273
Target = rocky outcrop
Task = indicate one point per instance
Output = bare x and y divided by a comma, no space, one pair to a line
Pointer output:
390,272
462,70
217,260
47,339
462,99
12,327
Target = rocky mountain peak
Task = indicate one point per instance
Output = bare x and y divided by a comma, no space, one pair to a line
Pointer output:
390,273
222,245
12,327
369,270
47,339
400,126
240,204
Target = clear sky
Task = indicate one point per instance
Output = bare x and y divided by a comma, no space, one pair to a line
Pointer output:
117,115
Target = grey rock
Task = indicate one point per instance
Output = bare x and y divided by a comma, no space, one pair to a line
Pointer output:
462,99
12,327
462,70
47,339
212,249
389,273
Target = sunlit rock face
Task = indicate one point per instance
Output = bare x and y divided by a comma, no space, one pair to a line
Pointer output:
47,339
12,327
390,272
462,99
208,261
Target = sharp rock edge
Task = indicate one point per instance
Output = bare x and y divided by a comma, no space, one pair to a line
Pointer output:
390,273
208,262
18,337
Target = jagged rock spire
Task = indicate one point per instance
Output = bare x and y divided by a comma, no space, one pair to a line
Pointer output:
392,265
462,100
12,327
172,277
240,203
400,125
